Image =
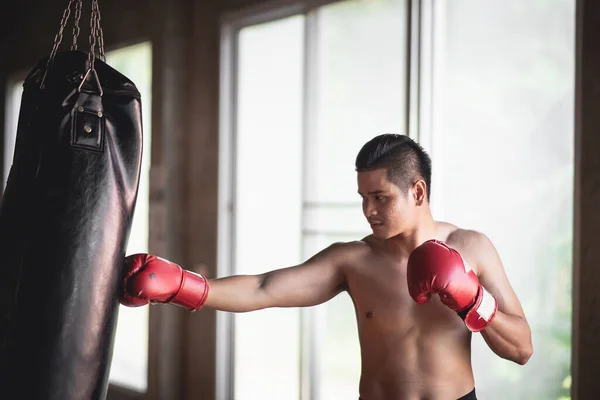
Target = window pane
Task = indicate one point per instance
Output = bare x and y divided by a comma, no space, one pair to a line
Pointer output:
268,194
360,88
338,348
359,92
504,151
129,366
13,105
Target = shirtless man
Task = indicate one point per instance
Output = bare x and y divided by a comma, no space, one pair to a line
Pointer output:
420,287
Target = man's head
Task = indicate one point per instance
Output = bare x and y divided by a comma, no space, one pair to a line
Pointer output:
394,180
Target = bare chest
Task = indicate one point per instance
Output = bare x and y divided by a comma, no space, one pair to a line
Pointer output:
383,304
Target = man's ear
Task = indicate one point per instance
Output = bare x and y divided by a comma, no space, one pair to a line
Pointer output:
420,192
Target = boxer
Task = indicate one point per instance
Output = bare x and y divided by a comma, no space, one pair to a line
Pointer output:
420,287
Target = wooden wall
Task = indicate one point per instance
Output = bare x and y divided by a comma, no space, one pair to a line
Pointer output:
586,256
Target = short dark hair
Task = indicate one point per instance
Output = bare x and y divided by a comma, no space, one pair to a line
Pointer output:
403,158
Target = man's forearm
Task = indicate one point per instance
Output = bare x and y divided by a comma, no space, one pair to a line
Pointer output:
238,293
509,337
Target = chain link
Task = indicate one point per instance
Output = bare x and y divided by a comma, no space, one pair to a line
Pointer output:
96,35
76,29
59,35
99,32
92,38
57,39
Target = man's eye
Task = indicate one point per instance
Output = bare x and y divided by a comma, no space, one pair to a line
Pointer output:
379,198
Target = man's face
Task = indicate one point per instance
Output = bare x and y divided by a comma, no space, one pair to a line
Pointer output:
387,209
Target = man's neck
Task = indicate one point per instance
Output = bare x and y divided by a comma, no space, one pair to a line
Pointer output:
403,244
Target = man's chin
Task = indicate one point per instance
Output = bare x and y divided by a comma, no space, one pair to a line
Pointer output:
381,234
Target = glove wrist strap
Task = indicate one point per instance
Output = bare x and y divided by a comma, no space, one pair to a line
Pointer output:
481,314
193,292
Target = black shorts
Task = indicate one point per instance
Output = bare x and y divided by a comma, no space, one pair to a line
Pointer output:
469,396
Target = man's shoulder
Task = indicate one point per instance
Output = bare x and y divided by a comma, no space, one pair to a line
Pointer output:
473,245
347,251
352,247
453,234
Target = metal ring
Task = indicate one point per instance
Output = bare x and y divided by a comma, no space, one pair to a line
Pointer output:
85,79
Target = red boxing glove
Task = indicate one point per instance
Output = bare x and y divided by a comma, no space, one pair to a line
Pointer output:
435,268
151,279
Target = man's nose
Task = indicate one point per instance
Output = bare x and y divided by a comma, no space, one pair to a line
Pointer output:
370,210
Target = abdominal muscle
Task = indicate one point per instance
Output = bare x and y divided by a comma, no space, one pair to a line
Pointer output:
415,364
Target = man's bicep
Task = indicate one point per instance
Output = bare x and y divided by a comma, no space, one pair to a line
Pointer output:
313,282
494,279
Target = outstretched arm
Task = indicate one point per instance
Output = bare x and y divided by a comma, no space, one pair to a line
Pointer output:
315,281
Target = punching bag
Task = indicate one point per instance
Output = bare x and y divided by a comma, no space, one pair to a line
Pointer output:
65,218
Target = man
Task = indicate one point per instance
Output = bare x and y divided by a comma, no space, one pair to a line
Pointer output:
414,345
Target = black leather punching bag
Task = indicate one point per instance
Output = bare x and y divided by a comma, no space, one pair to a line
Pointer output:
65,218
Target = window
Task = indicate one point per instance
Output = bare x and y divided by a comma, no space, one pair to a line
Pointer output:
489,94
130,355
503,159
307,93
14,90
267,202
359,92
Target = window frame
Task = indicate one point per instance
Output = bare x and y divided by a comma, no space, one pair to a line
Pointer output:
230,25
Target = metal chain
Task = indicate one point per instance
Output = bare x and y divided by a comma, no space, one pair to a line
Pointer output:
96,35
57,40
59,35
76,29
92,38
99,32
